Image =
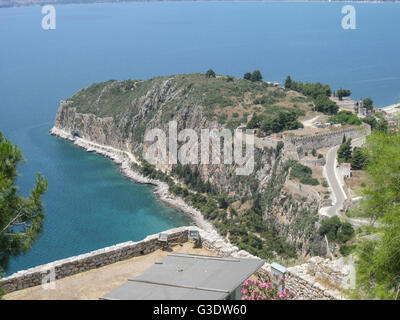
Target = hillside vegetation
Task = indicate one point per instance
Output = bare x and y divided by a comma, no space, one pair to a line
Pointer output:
224,99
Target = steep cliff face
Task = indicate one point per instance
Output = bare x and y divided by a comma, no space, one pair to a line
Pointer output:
117,114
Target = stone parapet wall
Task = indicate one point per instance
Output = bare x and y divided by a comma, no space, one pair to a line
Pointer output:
84,262
319,141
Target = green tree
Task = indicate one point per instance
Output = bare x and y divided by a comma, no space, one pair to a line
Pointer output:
222,201
247,76
372,122
382,125
343,93
210,73
330,227
345,117
358,159
368,103
256,76
335,230
378,257
314,152
303,173
325,105
288,82
254,122
20,218
344,152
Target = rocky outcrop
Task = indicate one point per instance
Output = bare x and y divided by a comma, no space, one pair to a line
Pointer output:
92,121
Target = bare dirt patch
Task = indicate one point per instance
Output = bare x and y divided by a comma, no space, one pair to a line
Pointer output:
356,182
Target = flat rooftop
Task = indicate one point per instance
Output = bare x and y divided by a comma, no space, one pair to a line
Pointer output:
96,283
182,276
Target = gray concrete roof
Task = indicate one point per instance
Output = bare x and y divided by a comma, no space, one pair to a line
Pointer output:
188,277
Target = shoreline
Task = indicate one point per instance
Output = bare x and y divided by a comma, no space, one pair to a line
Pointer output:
123,159
41,4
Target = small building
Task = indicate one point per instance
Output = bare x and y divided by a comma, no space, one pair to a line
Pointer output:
363,112
345,168
181,276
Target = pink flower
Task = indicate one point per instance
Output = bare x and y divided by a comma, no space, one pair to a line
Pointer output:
244,291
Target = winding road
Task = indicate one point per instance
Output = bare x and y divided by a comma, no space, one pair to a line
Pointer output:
332,175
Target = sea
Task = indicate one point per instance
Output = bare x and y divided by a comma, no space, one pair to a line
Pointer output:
89,204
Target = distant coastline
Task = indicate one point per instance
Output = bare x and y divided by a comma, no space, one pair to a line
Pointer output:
29,3
124,159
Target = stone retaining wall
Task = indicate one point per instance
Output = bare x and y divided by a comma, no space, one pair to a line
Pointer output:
318,279
306,290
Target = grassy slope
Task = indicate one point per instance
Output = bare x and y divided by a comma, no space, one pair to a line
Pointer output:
225,99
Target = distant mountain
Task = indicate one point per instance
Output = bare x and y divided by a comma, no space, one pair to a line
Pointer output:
21,3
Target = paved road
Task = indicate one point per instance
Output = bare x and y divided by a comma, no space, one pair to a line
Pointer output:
334,180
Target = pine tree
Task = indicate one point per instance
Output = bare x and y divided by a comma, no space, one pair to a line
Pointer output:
358,159
344,152
256,76
247,76
20,218
288,82
210,73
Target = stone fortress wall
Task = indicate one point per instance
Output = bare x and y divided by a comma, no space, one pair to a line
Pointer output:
328,139
305,288
294,147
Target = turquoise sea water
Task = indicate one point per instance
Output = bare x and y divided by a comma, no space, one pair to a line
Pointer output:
89,204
